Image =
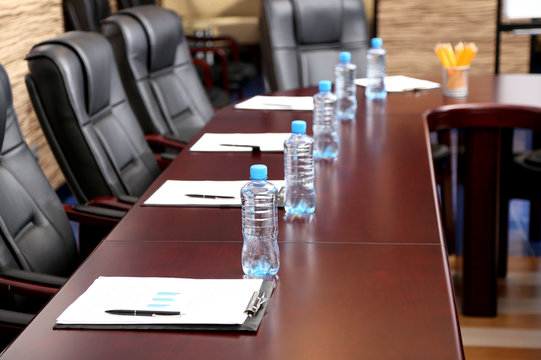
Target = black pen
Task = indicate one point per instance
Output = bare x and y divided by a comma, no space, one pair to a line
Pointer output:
143,312
203,196
255,148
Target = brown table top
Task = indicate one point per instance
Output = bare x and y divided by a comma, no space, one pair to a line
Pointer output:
367,278
332,301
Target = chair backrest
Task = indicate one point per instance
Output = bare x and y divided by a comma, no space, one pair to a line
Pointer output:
123,4
487,169
81,105
85,15
484,116
157,71
35,234
301,40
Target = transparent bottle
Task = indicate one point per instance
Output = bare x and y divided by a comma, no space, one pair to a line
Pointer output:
300,195
344,87
325,123
260,254
375,70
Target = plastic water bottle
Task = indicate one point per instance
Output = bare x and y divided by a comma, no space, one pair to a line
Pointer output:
344,87
260,254
375,70
325,123
300,195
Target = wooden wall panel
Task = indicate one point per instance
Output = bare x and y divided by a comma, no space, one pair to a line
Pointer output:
410,29
24,23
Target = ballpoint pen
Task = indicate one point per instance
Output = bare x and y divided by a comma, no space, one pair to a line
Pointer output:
285,106
143,313
255,148
204,196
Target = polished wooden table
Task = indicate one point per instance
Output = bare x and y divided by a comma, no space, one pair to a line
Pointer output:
367,277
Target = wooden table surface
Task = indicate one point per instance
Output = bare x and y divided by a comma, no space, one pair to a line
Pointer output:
367,277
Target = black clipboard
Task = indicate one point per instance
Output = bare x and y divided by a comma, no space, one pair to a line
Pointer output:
251,324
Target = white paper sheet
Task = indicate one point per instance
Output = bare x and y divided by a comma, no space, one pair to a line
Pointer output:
401,83
200,301
267,142
261,102
173,193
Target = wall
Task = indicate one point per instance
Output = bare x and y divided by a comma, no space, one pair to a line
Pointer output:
24,23
410,30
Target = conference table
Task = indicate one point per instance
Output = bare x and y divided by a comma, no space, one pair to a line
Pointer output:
366,277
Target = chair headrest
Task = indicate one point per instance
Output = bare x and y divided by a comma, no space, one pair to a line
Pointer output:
5,101
318,21
163,29
85,14
96,57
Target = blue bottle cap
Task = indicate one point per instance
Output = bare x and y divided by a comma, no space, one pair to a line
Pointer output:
325,85
298,127
377,43
258,172
345,57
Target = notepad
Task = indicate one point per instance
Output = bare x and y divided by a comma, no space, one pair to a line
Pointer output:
401,83
241,142
199,301
261,102
216,193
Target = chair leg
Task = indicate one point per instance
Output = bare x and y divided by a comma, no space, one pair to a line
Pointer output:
503,237
535,221
448,211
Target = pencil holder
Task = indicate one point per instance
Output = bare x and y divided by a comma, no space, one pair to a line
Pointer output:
455,81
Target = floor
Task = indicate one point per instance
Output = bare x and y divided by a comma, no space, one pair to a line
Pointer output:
516,332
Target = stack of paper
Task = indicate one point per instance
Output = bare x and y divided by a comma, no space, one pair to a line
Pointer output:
401,83
266,142
206,301
277,103
201,193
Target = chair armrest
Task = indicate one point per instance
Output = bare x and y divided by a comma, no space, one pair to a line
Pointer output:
28,289
14,319
223,62
227,39
127,199
30,283
31,277
112,202
163,160
168,142
94,215
207,78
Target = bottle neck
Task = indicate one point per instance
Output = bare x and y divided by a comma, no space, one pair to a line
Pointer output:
259,182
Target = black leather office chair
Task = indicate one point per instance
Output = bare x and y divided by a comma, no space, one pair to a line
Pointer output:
38,250
82,107
229,71
301,40
33,225
157,71
488,170
124,4
84,15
